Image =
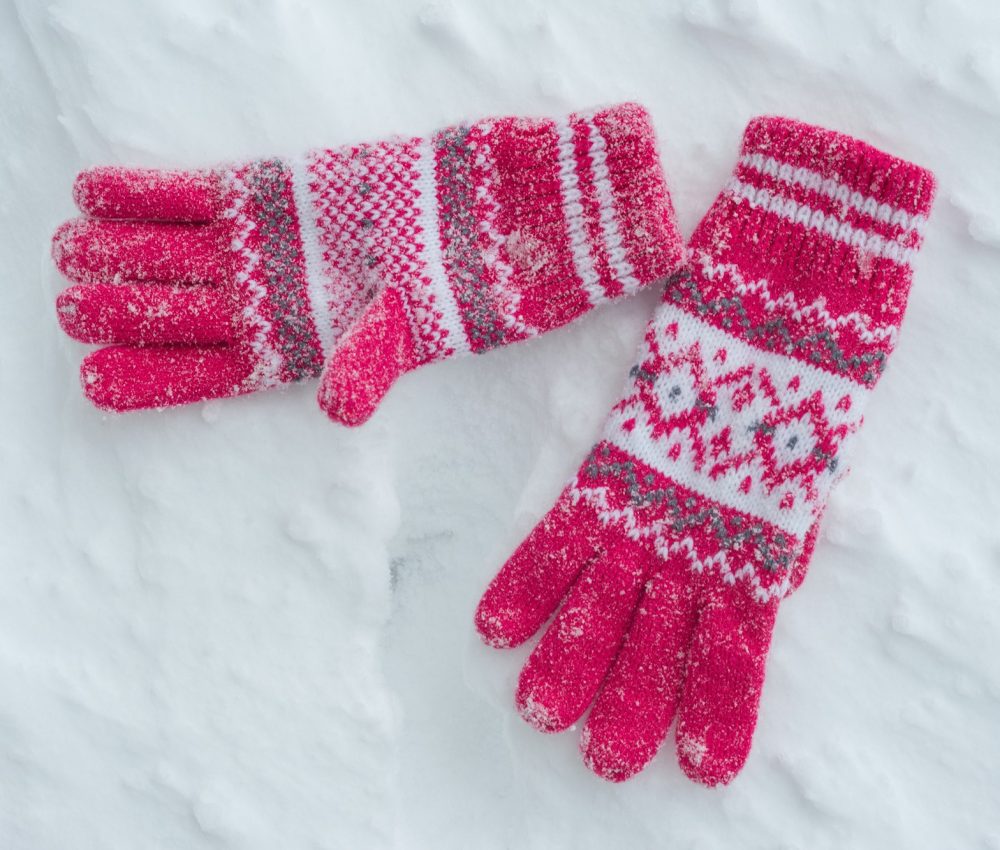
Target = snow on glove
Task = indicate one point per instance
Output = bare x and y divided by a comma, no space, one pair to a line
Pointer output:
222,282
688,522
534,222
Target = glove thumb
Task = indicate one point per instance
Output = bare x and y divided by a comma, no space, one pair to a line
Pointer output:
367,360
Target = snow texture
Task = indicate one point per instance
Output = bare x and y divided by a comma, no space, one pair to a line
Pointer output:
237,625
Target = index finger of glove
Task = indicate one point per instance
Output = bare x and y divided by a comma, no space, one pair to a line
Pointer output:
722,687
122,378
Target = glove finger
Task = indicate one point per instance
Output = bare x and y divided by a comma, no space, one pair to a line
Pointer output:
638,700
147,193
123,378
367,360
99,251
725,674
528,588
148,314
565,670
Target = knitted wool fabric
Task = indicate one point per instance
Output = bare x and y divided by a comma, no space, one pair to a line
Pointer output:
537,222
222,282
695,513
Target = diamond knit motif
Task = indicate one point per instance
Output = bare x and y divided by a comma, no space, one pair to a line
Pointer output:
758,433
661,566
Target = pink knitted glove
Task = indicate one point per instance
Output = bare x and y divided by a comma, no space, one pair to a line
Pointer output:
222,282
671,549
537,222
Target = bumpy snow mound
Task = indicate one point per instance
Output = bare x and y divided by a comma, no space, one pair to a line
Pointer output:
238,625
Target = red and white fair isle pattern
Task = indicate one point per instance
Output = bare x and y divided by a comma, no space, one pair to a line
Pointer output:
756,369
671,549
521,225
250,276
216,283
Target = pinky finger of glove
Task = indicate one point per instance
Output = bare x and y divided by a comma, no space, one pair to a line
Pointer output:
123,378
148,194
564,672
531,584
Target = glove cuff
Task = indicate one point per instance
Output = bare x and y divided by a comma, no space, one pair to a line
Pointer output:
843,169
539,220
827,207
821,224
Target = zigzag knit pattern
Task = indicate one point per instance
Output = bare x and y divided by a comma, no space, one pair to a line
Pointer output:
668,553
757,367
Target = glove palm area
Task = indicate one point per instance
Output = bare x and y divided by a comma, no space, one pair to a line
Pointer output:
666,558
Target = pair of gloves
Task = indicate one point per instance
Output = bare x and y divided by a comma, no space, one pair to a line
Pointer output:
665,559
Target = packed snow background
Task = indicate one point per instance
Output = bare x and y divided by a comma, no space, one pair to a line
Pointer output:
238,625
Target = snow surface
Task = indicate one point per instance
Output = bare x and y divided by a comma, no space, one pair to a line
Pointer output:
240,626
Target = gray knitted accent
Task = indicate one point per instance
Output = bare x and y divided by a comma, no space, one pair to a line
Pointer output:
460,232
284,266
774,333
773,551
